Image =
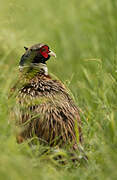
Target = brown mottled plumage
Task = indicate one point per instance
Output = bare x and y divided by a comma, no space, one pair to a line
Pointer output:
44,106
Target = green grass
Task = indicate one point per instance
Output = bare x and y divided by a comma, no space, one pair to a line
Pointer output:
84,36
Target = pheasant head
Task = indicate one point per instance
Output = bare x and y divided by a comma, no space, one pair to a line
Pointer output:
36,56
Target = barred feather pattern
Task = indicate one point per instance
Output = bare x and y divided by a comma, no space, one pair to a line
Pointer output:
45,109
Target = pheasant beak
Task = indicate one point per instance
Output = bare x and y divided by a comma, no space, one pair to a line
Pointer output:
51,53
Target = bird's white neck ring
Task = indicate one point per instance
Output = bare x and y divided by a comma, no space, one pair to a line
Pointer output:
37,66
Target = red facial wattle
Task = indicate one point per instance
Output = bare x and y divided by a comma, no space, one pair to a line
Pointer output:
44,51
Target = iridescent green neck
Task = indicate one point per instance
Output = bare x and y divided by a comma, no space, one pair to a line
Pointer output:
34,68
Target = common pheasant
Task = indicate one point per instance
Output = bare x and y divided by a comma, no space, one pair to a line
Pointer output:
44,107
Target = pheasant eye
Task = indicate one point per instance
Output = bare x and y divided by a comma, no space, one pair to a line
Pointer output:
44,51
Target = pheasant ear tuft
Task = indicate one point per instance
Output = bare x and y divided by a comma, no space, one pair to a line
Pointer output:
25,48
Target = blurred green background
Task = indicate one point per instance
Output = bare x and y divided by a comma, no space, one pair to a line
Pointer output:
84,36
